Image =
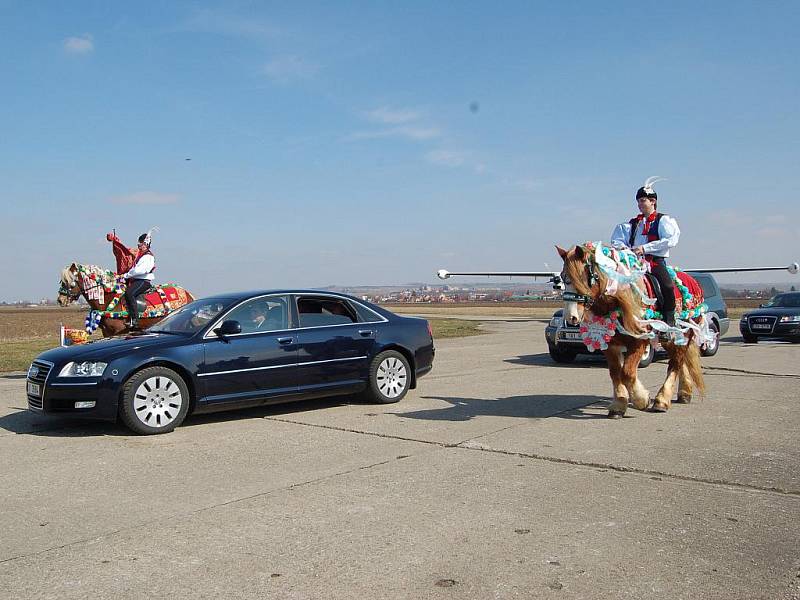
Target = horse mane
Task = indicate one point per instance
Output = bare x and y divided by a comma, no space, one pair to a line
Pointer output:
101,275
625,300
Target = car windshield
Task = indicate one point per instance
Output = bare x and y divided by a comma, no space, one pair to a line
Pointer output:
784,301
191,318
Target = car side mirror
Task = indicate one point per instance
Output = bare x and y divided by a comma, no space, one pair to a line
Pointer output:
761,305
228,328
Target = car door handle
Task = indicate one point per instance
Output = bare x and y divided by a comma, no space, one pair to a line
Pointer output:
365,332
285,340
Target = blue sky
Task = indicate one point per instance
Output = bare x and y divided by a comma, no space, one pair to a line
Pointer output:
376,142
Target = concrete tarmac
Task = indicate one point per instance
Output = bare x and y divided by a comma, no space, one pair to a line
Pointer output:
498,477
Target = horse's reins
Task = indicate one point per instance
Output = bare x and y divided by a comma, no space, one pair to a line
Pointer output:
584,299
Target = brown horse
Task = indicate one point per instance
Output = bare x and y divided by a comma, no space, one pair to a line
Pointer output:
589,299
99,288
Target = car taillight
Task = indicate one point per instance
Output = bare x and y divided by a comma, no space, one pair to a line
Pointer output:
430,331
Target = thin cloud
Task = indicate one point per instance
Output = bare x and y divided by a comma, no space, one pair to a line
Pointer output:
146,198
409,133
285,69
447,158
220,23
79,45
393,116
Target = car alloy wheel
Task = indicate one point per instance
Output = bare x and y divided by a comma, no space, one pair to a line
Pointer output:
155,400
389,377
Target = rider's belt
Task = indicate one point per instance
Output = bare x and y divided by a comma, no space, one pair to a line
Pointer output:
654,259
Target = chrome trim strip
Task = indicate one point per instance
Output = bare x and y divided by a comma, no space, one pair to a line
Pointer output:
245,370
82,383
319,362
313,362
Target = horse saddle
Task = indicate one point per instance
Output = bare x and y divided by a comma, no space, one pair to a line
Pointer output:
141,299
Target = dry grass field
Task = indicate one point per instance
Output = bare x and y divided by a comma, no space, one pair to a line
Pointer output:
25,332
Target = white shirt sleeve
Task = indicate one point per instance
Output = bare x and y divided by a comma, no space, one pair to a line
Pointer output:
621,235
142,267
669,232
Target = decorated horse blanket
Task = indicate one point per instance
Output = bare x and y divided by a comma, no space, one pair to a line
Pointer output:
108,289
623,270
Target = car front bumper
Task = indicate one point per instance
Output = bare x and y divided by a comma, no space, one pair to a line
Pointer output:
95,398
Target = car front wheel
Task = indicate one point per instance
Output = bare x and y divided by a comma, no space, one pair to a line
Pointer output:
710,349
154,400
647,357
389,378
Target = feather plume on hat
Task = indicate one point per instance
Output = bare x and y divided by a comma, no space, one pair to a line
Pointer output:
148,237
648,184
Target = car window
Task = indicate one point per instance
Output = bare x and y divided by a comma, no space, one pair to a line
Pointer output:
784,301
319,312
258,315
707,285
192,317
366,315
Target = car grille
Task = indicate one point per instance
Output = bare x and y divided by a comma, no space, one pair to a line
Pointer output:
761,324
42,371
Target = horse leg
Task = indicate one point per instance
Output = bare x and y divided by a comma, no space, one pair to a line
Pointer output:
639,395
620,402
663,399
685,386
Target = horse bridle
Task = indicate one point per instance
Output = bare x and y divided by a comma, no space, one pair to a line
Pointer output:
584,299
63,290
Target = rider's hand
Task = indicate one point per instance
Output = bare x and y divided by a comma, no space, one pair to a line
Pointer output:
638,250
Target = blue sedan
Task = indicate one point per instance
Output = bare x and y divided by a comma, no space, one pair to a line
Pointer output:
235,351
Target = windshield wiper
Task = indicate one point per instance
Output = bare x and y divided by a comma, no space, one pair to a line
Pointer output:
165,331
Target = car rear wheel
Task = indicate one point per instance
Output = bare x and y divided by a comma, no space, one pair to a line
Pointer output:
647,357
710,349
389,378
562,356
154,400
749,339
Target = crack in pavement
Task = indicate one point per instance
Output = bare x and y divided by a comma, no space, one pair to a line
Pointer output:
727,370
465,445
202,509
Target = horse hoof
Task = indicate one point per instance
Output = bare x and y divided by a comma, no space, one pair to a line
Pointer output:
658,407
683,399
613,414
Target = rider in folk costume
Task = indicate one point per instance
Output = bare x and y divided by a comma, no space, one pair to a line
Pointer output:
139,277
651,235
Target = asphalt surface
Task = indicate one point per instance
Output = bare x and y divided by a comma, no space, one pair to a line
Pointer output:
498,477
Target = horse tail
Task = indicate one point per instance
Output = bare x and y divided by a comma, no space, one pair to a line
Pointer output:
692,363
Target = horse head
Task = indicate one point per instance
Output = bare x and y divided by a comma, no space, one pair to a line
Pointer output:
70,289
586,288
579,294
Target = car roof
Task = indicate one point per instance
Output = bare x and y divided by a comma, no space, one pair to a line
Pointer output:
268,292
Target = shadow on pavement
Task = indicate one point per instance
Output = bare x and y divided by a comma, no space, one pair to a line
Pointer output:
582,361
533,406
27,422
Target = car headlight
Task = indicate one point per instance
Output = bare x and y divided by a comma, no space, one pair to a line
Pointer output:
83,369
556,322
790,319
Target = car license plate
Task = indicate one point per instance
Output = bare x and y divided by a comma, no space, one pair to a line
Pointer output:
570,335
760,326
34,389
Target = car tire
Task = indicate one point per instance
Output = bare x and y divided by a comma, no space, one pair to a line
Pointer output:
155,400
647,357
562,356
711,348
749,339
389,378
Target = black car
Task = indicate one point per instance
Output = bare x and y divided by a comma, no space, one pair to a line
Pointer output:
233,351
779,318
564,342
